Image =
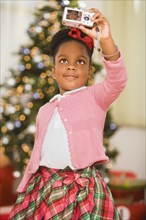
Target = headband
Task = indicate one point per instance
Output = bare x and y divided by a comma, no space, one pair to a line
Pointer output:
76,33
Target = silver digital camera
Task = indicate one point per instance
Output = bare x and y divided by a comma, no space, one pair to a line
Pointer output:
74,17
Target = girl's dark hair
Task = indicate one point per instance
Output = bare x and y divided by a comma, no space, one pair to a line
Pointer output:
62,37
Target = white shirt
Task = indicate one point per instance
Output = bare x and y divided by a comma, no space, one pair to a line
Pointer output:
55,150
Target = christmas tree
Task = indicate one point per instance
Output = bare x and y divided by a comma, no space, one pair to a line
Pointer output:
31,85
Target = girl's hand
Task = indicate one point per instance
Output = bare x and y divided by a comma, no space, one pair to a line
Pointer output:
100,24
109,49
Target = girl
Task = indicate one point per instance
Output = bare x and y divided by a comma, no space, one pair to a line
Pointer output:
61,180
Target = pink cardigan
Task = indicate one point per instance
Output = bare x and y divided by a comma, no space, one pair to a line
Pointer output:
83,114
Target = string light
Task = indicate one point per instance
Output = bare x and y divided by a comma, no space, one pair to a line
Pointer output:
46,63
25,148
5,140
106,180
29,104
11,82
10,125
65,3
43,75
4,129
8,74
22,117
11,109
28,66
21,136
47,15
51,89
37,59
25,79
21,67
26,111
26,58
48,73
41,95
17,107
32,128
42,82
45,42
17,124
36,96
2,149
28,87
40,65
38,29
113,126
50,80
49,38
109,166
41,36
17,79
45,57
26,51
20,89
16,174
32,81
26,160
34,51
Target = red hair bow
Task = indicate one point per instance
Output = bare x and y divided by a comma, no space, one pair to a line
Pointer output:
76,33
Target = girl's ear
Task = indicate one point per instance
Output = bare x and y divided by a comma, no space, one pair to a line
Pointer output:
91,71
53,72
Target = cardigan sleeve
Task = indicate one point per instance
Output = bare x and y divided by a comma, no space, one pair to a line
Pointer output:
110,88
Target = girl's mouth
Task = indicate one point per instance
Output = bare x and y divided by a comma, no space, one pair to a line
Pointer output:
70,76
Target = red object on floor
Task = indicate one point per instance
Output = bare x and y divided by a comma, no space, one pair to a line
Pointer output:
4,217
128,174
129,194
135,211
4,212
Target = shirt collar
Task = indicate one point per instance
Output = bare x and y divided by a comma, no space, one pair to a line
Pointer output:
59,96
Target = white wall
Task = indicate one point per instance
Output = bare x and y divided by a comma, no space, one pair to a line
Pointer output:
131,144
15,19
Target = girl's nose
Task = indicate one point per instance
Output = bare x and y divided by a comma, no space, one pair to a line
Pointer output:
71,67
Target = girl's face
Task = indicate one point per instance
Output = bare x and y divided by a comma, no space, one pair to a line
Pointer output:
73,15
72,66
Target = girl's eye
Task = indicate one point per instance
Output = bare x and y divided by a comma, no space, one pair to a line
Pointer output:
80,61
63,61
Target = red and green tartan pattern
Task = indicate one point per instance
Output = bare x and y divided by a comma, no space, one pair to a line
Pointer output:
53,194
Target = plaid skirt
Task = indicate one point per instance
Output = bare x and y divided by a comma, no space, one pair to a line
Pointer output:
53,194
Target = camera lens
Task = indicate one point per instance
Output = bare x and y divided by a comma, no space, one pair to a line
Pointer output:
86,18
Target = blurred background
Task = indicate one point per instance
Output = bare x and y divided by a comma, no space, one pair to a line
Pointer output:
25,56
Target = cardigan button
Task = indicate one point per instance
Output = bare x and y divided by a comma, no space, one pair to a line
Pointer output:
65,119
70,132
